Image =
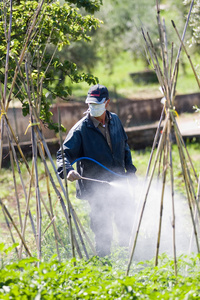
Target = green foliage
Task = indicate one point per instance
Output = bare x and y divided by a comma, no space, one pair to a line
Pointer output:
194,21
121,31
57,26
90,6
100,279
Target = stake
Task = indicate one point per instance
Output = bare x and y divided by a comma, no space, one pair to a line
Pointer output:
30,31
51,216
34,149
155,141
172,192
61,185
195,215
182,39
145,199
13,223
7,54
19,172
2,127
188,194
165,162
9,228
59,197
188,56
27,212
66,187
15,186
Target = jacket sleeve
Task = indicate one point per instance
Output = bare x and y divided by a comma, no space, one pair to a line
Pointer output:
128,160
72,150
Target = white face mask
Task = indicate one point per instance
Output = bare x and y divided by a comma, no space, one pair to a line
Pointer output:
96,110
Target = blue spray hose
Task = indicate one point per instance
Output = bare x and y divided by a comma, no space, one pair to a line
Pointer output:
98,163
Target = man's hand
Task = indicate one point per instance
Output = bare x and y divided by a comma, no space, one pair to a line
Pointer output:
73,175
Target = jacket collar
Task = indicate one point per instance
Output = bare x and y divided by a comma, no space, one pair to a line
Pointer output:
90,123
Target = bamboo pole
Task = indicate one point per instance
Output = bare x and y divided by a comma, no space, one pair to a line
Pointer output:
166,55
30,31
62,187
188,193
171,63
66,187
183,143
155,141
155,62
2,126
1,141
15,187
20,175
34,151
15,226
27,212
182,39
59,197
195,216
186,52
161,157
165,165
172,193
8,53
188,177
51,215
9,228
16,141
57,235
146,194
38,202
162,46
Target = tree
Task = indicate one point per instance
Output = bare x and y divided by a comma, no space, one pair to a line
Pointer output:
121,30
32,33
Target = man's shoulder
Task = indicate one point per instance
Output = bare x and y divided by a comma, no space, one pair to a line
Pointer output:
113,116
80,123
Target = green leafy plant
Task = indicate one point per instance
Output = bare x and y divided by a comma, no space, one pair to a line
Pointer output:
100,279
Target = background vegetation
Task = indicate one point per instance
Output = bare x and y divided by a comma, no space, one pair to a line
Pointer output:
117,47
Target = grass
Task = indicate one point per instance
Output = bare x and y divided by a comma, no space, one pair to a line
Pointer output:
120,81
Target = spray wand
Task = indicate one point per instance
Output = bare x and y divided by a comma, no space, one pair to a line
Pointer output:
96,180
104,167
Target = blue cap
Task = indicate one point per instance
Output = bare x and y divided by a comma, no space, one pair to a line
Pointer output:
97,94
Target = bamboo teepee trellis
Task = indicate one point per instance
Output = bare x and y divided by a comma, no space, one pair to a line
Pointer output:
167,77
77,232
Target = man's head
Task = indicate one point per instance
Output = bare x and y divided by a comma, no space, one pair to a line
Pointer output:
97,94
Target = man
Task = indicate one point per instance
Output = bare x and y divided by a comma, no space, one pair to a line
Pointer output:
98,141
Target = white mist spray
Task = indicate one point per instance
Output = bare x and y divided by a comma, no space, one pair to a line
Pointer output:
148,232
124,200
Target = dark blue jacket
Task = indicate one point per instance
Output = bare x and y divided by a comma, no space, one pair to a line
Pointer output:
85,140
